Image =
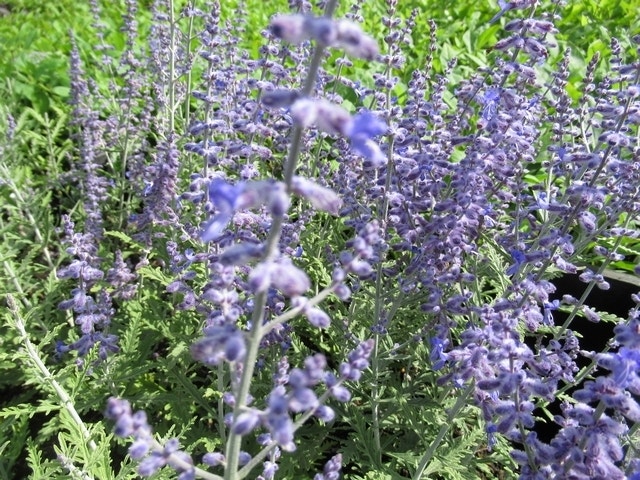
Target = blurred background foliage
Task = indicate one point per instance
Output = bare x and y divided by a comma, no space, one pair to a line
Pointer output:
35,37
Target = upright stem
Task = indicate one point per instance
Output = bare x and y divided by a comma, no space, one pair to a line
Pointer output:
453,413
172,68
375,362
379,298
65,400
375,399
234,442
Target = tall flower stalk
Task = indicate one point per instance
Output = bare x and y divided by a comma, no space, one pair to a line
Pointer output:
384,274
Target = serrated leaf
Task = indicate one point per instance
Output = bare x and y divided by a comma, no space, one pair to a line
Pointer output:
155,273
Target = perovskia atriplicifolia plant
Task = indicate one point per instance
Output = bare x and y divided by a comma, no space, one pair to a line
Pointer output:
312,262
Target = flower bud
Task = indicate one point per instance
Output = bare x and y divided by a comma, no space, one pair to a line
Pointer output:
320,197
280,98
290,28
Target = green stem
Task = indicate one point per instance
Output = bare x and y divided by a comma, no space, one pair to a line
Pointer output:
375,399
172,68
453,413
234,441
221,387
65,399
379,299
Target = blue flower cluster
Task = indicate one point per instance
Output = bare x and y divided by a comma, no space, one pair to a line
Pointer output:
443,218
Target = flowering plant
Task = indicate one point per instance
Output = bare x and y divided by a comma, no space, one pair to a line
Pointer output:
298,263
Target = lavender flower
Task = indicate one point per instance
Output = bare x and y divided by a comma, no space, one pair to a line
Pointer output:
220,343
358,361
227,199
334,120
144,447
331,470
364,127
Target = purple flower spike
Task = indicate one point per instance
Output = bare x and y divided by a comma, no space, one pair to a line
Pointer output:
343,34
490,100
358,361
135,425
278,421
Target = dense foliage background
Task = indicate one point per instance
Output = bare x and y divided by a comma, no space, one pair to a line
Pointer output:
52,400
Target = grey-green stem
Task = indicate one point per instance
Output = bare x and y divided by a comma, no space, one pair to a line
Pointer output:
271,248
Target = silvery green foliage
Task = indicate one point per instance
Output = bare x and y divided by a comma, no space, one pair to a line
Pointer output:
459,211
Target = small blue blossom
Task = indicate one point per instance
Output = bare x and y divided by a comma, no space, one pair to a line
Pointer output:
358,360
213,459
132,424
269,470
224,197
219,343
246,422
244,458
320,197
547,309
491,430
624,365
428,227
437,355
490,100
364,127
519,259
504,8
